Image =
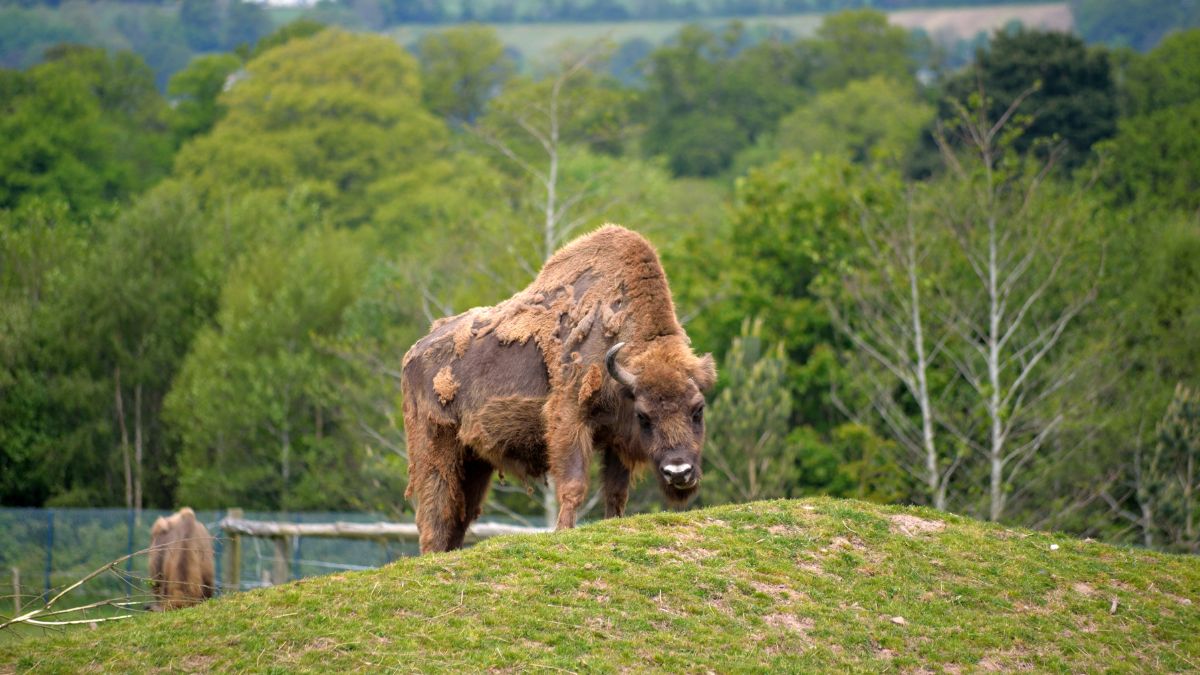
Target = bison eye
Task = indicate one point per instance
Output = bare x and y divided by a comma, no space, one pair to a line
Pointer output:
644,422
698,415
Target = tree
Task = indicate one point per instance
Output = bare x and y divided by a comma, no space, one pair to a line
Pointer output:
790,230
101,349
195,90
86,126
292,30
1177,456
334,112
245,23
869,121
1165,78
1155,159
254,404
1132,23
537,127
888,321
748,454
1075,99
1023,256
201,21
856,45
462,68
1156,297
707,96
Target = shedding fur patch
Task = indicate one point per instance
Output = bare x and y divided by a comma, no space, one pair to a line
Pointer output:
445,385
608,280
592,380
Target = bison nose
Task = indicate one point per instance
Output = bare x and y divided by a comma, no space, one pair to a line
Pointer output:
678,474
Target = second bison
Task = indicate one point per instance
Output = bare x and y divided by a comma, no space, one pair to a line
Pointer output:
588,359
181,561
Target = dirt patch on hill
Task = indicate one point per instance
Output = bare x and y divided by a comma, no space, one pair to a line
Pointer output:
911,526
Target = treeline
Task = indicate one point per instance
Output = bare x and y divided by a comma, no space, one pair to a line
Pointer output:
980,293
167,34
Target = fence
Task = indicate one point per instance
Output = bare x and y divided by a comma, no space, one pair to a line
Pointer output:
46,549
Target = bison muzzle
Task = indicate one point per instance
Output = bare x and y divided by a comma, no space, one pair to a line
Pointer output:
589,359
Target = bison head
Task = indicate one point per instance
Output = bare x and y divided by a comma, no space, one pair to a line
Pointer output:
666,418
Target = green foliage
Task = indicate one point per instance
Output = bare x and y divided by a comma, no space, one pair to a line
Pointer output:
869,121
1174,471
86,127
748,452
292,30
253,405
461,69
1139,24
856,45
1155,158
25,34
705,100
1073,100
334,111
1167,77
194,91
789,229
201,21
113,314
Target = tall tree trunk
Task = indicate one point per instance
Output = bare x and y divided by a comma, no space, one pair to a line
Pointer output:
137,450
120,410
996,433
937,490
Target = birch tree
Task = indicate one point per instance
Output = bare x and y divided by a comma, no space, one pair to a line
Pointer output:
1025,279
538,128
887,321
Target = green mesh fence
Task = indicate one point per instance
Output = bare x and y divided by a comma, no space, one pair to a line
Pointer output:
51,548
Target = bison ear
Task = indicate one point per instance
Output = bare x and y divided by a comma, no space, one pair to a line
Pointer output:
706,373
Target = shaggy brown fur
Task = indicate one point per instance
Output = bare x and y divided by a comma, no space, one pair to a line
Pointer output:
181,561
522,387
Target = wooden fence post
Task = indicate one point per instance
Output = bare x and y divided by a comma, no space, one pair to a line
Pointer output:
233,570
279,571
16,591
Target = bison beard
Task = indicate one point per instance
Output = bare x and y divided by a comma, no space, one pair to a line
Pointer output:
181,561
536,385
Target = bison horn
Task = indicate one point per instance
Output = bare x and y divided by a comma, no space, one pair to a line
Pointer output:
618,373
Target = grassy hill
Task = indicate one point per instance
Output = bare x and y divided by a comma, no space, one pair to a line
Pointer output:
792,585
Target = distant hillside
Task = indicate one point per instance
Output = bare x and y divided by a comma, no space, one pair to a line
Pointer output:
961,23
811,585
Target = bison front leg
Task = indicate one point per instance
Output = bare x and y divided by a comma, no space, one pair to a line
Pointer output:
616,485
569,440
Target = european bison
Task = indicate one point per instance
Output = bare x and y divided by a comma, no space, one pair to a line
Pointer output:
535,384
181,561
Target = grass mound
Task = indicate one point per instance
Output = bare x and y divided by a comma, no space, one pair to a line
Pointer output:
788,585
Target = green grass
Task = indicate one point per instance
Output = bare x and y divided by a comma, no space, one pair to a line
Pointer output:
805,585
